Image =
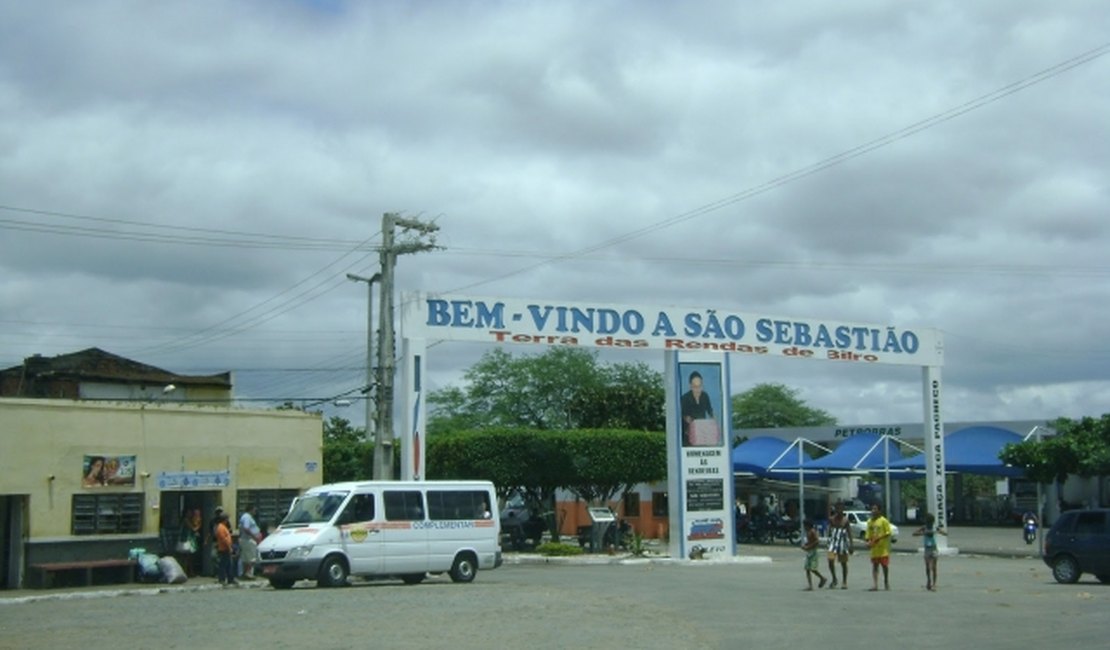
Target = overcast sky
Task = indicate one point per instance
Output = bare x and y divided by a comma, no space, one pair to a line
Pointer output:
187,183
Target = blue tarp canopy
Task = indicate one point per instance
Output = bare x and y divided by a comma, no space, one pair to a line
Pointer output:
862,452
757,455
973,450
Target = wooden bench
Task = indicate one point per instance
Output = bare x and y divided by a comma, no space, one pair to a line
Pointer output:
87,571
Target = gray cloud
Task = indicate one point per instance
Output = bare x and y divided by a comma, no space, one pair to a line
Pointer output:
534,131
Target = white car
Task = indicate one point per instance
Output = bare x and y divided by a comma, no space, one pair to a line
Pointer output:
857,521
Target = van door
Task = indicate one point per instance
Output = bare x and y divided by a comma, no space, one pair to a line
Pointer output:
1090,545
359,536
404,532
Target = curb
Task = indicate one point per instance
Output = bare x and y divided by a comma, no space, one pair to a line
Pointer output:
151,590
627,560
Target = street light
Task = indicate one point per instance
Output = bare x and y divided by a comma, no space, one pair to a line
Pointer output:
378,473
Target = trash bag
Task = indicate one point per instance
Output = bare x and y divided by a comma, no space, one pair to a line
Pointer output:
172,573
149,571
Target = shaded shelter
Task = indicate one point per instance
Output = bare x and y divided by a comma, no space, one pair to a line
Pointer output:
861,453
762,454
973,450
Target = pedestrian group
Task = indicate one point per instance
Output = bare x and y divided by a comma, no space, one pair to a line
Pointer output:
877,538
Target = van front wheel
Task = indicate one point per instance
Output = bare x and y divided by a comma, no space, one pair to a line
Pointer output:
333,572
465,568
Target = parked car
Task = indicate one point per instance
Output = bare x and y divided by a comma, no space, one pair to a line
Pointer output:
1078,543
857,521
521,526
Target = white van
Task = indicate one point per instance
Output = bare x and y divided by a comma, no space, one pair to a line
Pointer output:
402,529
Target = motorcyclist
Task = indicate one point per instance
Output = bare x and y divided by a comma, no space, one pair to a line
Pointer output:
1029,526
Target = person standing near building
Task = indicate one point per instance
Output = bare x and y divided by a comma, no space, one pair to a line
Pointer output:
840,546
210,538
223,551
249,537
928,533
878,539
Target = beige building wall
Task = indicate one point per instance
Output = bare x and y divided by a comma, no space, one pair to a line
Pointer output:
44,444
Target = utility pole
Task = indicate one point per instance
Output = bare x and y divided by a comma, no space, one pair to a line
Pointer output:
370,381
383,442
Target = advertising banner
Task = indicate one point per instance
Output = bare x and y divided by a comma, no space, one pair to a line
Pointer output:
101,470
702,493
546,323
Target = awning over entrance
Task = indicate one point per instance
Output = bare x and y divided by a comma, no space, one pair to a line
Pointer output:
973,450
861,453
759,455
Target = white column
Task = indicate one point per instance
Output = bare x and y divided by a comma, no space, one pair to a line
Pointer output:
414,415
936,498
674,473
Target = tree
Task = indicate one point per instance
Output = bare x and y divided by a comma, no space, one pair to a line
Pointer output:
346,454
563,388
1080,447
594,464
775,405
608,462
630,396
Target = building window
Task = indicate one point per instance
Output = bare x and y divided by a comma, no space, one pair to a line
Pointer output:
107,514
659,505
631,504
271,506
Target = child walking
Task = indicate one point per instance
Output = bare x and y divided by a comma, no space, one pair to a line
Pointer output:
929,534
810,548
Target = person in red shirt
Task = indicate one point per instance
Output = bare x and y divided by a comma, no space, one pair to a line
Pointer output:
223,551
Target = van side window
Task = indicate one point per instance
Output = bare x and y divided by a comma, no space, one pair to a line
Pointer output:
360,509
458,504
404,505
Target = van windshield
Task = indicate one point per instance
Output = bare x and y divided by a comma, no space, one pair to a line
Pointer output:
314,508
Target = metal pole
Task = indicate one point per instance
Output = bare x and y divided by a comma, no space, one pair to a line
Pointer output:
886,474
371,434
801,488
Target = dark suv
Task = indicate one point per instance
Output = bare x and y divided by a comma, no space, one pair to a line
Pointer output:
1078,543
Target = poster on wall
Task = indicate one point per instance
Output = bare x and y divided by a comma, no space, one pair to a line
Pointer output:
104,470
700,404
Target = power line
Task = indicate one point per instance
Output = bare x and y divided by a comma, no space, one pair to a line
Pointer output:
167,234
821,165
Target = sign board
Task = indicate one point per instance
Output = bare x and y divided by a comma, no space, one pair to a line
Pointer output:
695,341
600,515
193,480
698,450
543,323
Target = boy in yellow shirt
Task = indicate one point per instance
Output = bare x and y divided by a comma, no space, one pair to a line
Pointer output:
878,539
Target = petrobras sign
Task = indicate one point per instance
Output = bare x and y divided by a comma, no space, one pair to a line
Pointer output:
545,323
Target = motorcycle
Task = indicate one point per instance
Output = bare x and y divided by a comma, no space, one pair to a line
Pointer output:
1029,530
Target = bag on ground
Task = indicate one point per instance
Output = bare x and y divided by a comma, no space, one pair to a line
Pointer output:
172,573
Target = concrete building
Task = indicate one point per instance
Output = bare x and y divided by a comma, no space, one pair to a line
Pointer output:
114,464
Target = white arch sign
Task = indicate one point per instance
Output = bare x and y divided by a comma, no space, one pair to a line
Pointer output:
694,341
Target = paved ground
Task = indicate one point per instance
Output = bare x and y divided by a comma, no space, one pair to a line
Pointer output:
1000,600
984,541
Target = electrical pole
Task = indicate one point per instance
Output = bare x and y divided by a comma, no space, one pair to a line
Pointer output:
383,442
